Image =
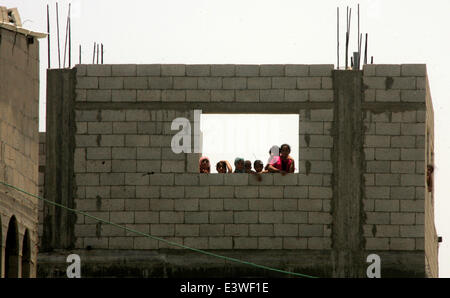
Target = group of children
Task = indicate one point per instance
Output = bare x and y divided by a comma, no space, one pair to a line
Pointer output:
279,162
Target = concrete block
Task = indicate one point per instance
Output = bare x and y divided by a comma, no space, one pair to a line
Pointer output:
309,83
322,115
136,204
416,129
273,192
387,179
98,191
234,204
210,83
245,217
312,154
87,82
123,166
221,191
369,95
376,141
198,95
403,167
311,179
319,243
321,70
259,83
196,217
374,82
112,141
216,217
420,141
110,83
387,231
234,83
237,230
235,179
403,141
387,154
188,179
377,218
387,128
147,192
173,95
220,243
123,70
162,229
80,95
404,83
285,204
196,191
111,115
186,230
413,96
388,205
223,70
137,141
402,218
247,70
284,83
310,230
320,141
145,243
297,70
413,231
261,230
295,217
245,243
212,230
273,95
173,70
99,127
318,192
148,153
218,179
184,83
391,70
288,179
369,70
87,179
124,128
123,95
377,192
98,70
387,95
246,192
112,179
160,140
295,243
172,192
273,70
402,244
270,242
412,154
148,95
162,204
247,95
161,83
135,83
97,166
184,204
296,95
412,205
222,95
211,204
198,70
261,204
418,70
377,243
309,205
421,83
402,192
145,70
321,95
94,95
327,83
173,166
121,217
285,230
319,217
321,167
171,217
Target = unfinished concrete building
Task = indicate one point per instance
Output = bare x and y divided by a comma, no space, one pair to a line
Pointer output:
365,140
19,101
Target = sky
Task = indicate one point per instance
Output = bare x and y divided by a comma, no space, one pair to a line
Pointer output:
263,32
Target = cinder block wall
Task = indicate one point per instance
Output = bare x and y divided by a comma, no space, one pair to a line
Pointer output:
126,172
19,139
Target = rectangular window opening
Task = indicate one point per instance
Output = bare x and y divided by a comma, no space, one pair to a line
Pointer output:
249,136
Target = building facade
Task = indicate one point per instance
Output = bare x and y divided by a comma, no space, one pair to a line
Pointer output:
365,141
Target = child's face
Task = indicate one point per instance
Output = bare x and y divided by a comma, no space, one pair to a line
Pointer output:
284,153
221,168
258,167
248,165
240,165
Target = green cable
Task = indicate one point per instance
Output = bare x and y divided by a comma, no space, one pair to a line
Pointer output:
160,239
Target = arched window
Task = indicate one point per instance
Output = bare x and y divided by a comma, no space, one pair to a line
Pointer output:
26,255
12,249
